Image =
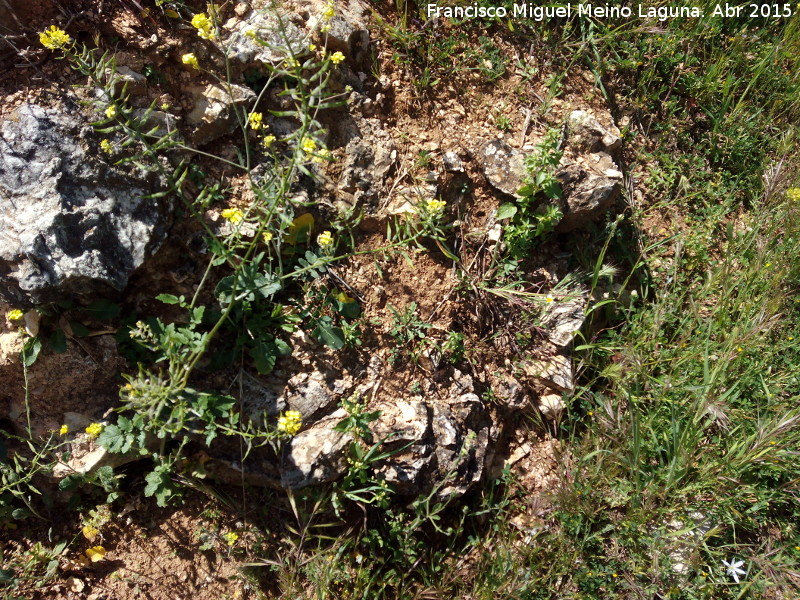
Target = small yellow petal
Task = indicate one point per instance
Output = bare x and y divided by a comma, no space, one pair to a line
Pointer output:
96,554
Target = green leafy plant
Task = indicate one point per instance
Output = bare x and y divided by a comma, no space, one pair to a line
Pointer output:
529,219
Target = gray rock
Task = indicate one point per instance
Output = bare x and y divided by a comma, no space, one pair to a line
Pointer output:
157,122
563,319
443,441
134,84
275,32
510,393
317,454
366,165
452,163
556,372
504,167
214,113
551,405
347,31
71,225
587,134
587,195
314,393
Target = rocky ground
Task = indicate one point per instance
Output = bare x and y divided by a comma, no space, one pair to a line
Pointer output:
79,235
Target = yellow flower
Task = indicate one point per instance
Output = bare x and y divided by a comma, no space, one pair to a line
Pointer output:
290,422
234,215
793,194
204,26
434,207
267,237
15,314
90,532
322,155
255,120
312,47
328,13
268,141
308,145
337,57
190,60
96,554
54,38
165,106
231,537
111,112
291,63
64,430
325,239
106,147
94,430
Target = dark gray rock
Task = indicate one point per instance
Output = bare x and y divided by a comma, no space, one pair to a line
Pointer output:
71,225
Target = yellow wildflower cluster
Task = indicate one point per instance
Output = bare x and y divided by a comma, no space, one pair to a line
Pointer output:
290,422
291,63
434,207
64,430
231,537
15,314
55,38
267,237
327,15
90,532
234,215
106,147
322,154
204,26
793,194
337,57
190,60
111,111
308,145
255,120
94,430
325,239
268,141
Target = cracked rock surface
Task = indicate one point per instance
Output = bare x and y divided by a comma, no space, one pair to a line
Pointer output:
71,223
